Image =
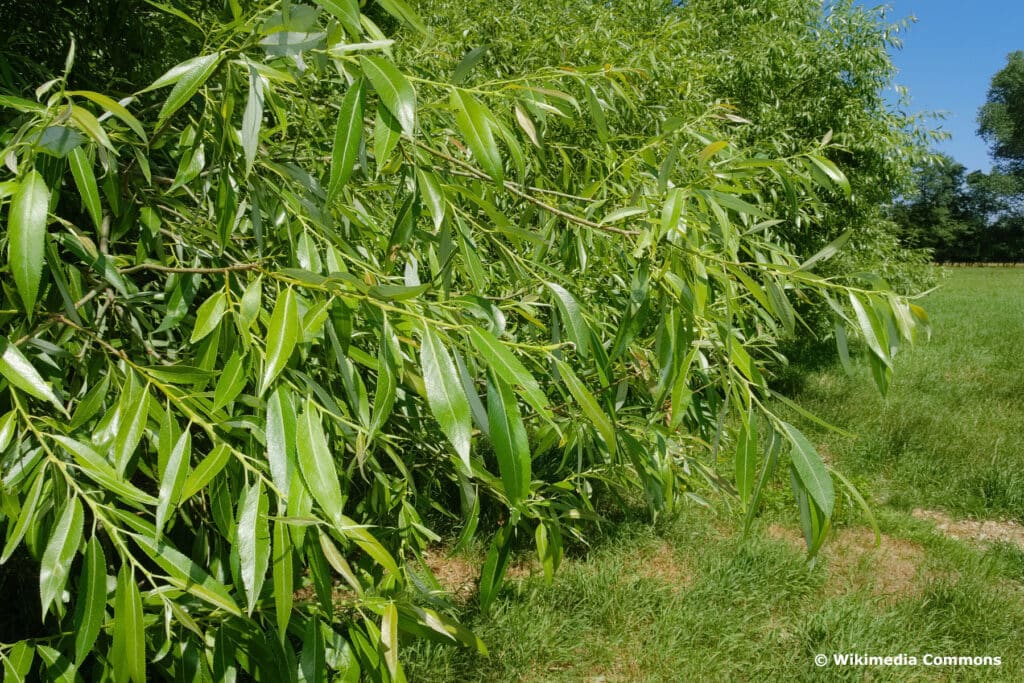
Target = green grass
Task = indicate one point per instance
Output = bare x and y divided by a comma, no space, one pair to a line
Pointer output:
690,599
948,435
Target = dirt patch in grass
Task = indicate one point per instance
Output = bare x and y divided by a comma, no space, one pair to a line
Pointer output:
457,576
976,530
855,562
660,563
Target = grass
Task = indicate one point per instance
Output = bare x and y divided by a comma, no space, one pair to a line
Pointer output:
948,434
691,599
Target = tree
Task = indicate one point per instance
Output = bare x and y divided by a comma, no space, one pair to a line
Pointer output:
1001,118
335,282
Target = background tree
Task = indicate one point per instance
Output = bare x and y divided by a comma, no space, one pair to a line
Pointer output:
1001,118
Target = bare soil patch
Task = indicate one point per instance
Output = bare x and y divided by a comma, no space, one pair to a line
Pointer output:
660,563
976,530
856,562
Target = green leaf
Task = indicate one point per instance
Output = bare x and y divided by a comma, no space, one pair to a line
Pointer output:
282,335
746,461
65,537
474,122
389,638
828,251
128,651
589,405
209,315
467,63
401,11
494,567
90,609
208,468
97,468
26,235
133,409
116,108
811,469
572,318
59,141
8,428
26,518
280,432
18,661
85,180
317,465
508,435
347,135
187,78
231,381
252,119
253,540
394,90
284,577
384,397
345,11
182,571
445,396
59,669
509,368
622,214
832,172
432,195
173,479
17,370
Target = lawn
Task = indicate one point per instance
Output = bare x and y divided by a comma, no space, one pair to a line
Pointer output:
692,599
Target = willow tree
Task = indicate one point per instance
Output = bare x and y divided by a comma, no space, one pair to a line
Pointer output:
315,293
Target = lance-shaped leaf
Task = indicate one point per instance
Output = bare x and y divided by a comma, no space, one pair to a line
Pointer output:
90,608
508,435
174,479
811,469
394,90
347,134
589,404
474,122
572,318
17,370
85,181
128,651
60,551
209,315
26,235
445,396
282,335
187,78
253,539
345,11
280,432
252,119
284,577
317,465
504,363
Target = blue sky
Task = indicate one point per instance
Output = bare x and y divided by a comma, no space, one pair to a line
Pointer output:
948,59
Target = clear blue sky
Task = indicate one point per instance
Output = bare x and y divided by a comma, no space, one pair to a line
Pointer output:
948,59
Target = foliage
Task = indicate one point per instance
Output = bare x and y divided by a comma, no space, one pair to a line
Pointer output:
962,217
1001,118
314,294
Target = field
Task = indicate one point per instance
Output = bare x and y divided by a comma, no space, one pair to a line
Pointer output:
690,599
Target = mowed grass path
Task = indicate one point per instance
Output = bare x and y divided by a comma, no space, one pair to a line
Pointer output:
691,600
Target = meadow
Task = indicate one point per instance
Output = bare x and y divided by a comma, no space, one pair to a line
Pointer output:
690,598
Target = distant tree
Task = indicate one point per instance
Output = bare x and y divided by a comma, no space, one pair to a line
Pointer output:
938,215
1001,118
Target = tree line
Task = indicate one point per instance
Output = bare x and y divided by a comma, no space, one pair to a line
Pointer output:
974,217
